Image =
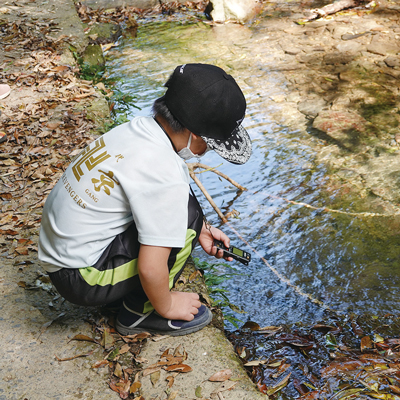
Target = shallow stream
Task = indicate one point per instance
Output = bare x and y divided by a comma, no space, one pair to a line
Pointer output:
350,263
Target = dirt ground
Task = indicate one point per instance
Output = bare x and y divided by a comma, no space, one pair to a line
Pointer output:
36,325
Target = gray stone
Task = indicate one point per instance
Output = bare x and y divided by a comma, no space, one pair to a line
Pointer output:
338,58
295,30
315,32
392,61
310,58
290,49
349,47
383,48
312,106
339,31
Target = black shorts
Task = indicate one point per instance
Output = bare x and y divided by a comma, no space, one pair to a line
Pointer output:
115,274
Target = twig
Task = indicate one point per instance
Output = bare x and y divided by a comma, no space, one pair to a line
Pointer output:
208,197
73,357
193,166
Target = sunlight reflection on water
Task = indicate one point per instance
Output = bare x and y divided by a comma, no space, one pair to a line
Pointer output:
349,263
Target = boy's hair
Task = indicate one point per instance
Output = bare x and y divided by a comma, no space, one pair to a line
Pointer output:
160,108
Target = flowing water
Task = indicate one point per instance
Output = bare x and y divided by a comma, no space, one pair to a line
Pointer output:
349,263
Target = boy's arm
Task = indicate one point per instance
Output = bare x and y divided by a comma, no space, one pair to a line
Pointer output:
154,277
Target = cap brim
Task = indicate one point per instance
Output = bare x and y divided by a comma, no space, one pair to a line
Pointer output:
236,149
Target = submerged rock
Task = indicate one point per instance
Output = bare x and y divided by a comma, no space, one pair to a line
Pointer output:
311,107
346,128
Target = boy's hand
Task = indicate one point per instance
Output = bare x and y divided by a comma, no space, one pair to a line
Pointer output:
154,277
184,306
206,240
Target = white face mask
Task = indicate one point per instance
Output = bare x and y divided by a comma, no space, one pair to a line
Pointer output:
187,154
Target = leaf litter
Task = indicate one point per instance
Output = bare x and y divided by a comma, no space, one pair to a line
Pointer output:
121,355
344,357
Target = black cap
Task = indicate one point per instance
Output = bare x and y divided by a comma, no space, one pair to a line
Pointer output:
208,102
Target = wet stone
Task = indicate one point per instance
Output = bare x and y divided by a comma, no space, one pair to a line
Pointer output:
339,31
311,59
380,45
288,49
312,106
343,126
315,32
392,61
296,30
349,47
338,58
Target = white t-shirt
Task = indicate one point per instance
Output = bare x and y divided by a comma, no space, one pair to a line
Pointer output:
130,173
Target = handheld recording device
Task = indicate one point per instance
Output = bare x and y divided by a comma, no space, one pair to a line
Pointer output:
234,252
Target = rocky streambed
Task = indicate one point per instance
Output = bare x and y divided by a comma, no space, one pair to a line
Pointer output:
342,86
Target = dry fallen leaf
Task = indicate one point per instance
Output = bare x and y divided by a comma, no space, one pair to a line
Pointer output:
221,376
150,370
178,368
170,380
135,387
155,377
99,364
118,371
83,338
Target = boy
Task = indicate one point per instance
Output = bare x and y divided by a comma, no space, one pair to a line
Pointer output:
121,222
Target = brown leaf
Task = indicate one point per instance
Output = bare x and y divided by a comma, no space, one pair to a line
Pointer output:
170,380
251,325
22,250
395,389
155,377
280,385
180,352
107,340
124,349
281,370
83,338
54,124
150,370
73,357
221,376
366,343
118,371
338,367
135,387
178,368
100,363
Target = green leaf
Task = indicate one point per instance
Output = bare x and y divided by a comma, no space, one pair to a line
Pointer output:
198,392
